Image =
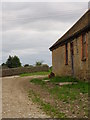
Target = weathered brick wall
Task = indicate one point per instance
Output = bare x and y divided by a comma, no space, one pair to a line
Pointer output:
17,71
81,68
58,62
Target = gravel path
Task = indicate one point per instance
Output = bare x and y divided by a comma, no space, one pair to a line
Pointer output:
15,99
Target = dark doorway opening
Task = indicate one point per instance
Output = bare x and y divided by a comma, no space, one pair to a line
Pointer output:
72,56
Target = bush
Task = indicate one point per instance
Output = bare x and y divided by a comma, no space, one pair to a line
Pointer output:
3,64
26,65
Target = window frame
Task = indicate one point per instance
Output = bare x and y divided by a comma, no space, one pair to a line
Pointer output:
84,47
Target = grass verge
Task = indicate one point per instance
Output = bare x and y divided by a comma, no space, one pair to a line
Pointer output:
68,94
37,81
35,73
58,79
65,92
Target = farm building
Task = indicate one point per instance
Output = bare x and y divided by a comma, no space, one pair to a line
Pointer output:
71,53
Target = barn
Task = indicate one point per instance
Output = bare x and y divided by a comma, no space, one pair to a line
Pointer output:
71,53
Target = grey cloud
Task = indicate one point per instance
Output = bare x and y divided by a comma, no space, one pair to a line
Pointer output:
33,12
29,29
31,40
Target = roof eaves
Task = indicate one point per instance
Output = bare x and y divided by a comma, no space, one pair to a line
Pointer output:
70,38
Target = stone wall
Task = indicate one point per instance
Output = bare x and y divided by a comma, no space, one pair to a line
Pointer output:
58,62
17,71
81,68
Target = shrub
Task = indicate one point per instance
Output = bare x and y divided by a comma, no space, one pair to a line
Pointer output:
26,65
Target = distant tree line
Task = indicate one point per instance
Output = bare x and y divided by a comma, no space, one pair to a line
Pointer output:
38,63
12,62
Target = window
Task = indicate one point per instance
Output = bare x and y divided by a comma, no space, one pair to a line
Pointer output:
84,51
66,54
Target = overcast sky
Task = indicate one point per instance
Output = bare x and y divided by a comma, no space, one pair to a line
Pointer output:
29,29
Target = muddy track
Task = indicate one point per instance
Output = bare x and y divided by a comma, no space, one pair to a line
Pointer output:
15,99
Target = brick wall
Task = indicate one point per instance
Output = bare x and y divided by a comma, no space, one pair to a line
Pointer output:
58,62
81,68
17,71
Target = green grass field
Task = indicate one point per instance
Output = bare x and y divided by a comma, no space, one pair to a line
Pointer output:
35,73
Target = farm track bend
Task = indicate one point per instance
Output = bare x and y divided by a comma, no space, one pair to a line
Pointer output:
15,101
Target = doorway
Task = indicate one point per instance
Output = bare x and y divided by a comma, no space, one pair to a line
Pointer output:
72,57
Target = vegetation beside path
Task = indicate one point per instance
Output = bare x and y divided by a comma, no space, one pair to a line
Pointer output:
61,101
35,73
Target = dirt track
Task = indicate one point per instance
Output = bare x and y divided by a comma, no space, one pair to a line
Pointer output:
15,99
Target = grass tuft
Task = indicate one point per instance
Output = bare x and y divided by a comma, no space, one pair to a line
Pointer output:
37,81
63,79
